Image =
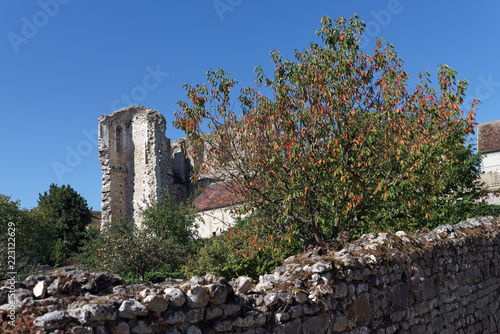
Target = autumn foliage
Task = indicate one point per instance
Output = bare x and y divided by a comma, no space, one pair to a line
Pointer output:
341,142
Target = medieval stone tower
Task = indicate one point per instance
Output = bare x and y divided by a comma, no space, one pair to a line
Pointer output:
136,161
139,163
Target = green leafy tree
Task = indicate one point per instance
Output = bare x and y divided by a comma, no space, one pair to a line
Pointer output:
342,143
69,213
168,220
154,250
28,236
127,250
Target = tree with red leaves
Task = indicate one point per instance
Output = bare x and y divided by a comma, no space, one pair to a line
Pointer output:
343,143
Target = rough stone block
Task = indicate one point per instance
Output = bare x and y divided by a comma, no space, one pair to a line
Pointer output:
195,315
315,325
156,303
195,296
360,309
339,323
52,320
241,284
174,317
100,312
175,296
217,294
130,309
292,327
141,328
213,312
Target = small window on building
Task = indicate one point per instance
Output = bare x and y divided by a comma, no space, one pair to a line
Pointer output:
119,139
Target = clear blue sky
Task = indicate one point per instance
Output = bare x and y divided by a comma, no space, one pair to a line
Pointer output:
64,63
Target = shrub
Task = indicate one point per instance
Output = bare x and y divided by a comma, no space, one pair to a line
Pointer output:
249,248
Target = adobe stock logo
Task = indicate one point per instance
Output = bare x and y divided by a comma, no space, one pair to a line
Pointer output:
222,6
30,27
483,90
381,19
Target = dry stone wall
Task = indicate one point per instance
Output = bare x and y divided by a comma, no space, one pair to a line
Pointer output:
443,281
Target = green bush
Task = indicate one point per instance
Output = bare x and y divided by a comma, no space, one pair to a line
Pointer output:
28,234
152,252
484,209
250,248
154,276
127,250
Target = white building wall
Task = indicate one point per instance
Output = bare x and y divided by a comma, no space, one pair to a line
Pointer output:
490,168
215,221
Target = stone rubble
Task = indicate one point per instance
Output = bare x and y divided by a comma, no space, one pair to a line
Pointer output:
443,281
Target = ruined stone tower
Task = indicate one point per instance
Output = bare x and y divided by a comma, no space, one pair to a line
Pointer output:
136,161
139,163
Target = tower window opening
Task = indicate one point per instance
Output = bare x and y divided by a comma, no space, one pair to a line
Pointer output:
119,139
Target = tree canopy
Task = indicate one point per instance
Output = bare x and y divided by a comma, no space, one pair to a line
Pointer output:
28,238
159,245
342,143
168,220
69,214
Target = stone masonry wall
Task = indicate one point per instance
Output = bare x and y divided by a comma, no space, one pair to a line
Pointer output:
443,281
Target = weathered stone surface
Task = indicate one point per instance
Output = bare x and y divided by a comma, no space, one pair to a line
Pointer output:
131,309
195,315
315,325
100,312
292,327
52,320
142,328
193,330
360,309
120,328
156,303
82,330
266,282
196,296
223,326
340,290
175,296
399,295
213,312
271,299
217,294
20,295
321,267
54,288
82,315
174,317
339,323
241,284
230,309
252,318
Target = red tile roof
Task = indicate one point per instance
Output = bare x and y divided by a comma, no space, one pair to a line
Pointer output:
488,137
217,195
